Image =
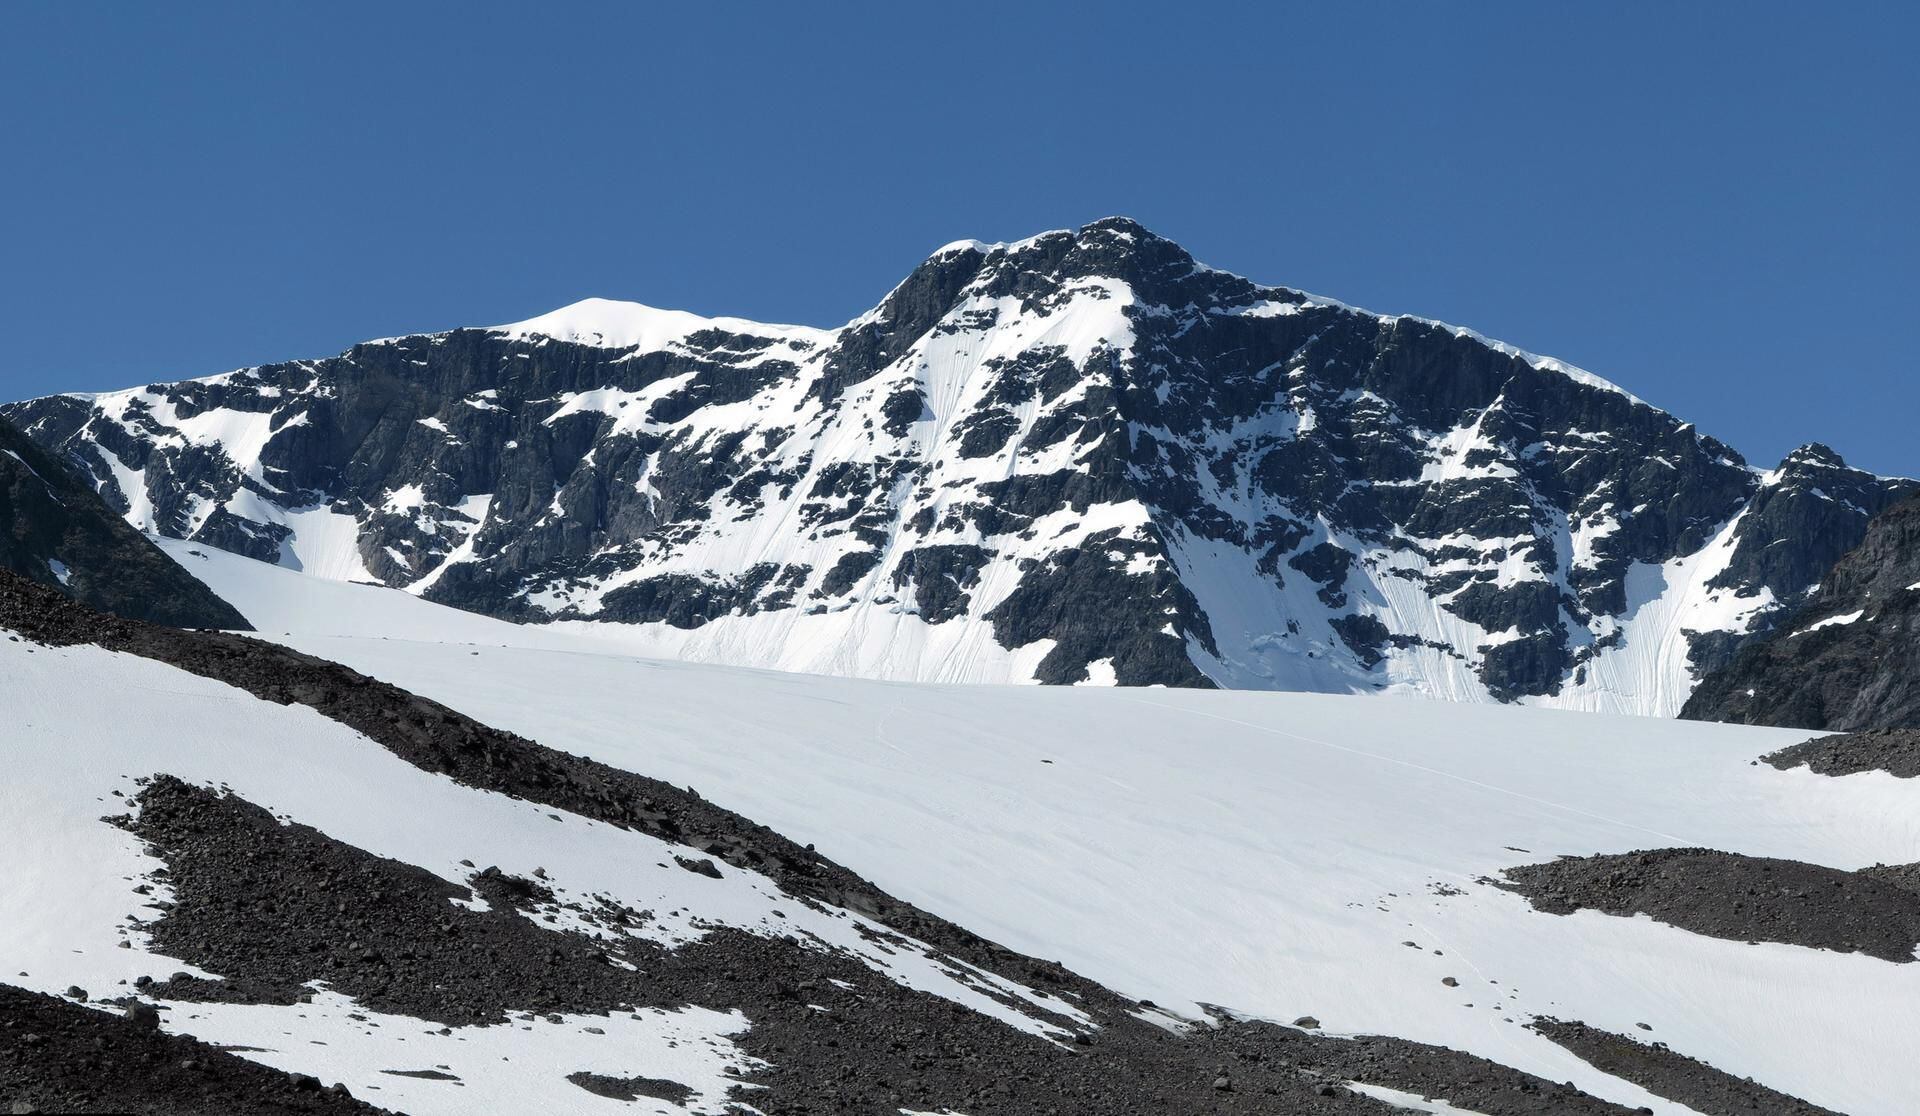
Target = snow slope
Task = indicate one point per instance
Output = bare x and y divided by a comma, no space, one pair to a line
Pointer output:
1269,853
67,881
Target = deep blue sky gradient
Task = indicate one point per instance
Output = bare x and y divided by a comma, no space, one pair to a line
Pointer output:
1711,204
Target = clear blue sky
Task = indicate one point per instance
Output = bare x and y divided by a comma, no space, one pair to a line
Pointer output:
1712,204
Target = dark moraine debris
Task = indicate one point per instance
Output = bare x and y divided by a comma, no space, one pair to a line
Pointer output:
1434,1072
1673,1075
632,1088
1742,898
1899,875
823,1034
1894,751
57,1056
503,889
380,931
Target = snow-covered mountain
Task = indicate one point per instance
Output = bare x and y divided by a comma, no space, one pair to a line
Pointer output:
1260,902
1082,457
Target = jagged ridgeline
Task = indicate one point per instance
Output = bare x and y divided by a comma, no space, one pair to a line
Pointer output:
1079,457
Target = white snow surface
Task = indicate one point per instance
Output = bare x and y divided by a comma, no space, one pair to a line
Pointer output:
1412,1102
1832,622
610,323
1266,852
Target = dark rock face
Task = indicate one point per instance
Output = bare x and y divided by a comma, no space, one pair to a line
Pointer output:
942,578
55,530
1850,659
1135,460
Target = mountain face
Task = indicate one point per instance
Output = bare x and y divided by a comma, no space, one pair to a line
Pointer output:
1850,659
56,531
1082,457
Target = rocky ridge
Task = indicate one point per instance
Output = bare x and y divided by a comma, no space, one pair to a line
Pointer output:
1849,660
57,531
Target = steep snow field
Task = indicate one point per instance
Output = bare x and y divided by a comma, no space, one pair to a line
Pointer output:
1268,853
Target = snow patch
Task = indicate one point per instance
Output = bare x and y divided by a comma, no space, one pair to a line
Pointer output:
1411,1102
1831,622
612,324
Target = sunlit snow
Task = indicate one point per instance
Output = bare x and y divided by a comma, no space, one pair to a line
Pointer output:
1266,852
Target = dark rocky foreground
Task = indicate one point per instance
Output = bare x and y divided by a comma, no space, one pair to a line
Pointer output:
271,907
52,526
1664,1072
1894,751
1847,676
58,1056
1742,898
384,934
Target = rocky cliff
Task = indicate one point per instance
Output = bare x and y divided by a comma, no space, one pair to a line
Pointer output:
1850,659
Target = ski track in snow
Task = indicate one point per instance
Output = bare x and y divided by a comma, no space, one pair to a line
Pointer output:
1267,852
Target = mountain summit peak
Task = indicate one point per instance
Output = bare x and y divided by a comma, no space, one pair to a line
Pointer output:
1120,224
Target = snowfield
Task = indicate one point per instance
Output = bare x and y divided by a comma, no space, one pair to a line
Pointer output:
1272,854
67,885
